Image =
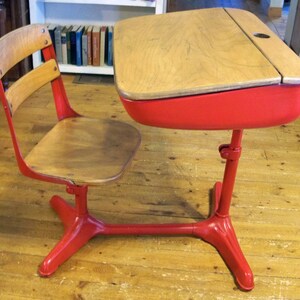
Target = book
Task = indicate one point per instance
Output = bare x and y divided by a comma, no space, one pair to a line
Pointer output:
82,45
89,45
58,45
64,45
109,46
64,42
102,44
73,52
96,45
84,48
51,28
68,33
79,33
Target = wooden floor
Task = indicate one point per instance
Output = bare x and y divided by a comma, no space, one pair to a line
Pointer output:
169,181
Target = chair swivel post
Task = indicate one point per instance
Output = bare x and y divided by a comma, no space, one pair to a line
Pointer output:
80,193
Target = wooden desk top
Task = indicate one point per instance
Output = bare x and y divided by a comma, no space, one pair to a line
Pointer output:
196,52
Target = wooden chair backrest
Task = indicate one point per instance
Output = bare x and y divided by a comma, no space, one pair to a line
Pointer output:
16,46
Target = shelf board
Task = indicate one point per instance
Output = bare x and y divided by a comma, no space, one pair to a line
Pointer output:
140,3
106,70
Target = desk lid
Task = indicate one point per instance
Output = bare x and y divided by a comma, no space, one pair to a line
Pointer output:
197,52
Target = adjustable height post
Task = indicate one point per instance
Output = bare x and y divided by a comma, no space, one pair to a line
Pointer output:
231,153
218,230
80,193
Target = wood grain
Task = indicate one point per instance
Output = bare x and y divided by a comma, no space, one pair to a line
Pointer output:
30,83
21,43
185,53
85,150
286,62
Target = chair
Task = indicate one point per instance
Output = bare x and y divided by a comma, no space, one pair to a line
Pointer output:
77,152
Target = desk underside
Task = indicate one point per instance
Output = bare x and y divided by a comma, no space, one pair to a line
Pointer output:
255,107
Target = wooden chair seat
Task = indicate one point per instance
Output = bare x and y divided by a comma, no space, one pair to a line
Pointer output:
85,150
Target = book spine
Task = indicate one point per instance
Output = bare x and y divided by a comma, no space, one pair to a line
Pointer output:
68,46
58,45
79,47
89,46
84,50
102,45
64,47
109,48
73,47
96,46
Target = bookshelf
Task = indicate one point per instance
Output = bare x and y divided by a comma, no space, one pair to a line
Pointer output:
89,12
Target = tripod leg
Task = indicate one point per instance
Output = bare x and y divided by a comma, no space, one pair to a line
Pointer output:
218,230
80,227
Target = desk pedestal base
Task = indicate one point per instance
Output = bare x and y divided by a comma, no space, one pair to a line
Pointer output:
217,230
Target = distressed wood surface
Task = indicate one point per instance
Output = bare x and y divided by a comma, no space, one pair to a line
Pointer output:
85,150
31,82
23,42
187,53
286,62
169,181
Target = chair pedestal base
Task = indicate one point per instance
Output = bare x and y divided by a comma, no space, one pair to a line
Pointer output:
216,230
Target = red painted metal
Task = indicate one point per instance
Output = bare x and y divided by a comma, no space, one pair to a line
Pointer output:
63,110
233,152
237,109
217,230
261,107
246,108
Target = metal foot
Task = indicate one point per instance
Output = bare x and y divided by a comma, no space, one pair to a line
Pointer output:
219,232
79,229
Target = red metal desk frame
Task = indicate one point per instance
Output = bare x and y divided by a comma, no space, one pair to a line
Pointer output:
262,107
237,110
